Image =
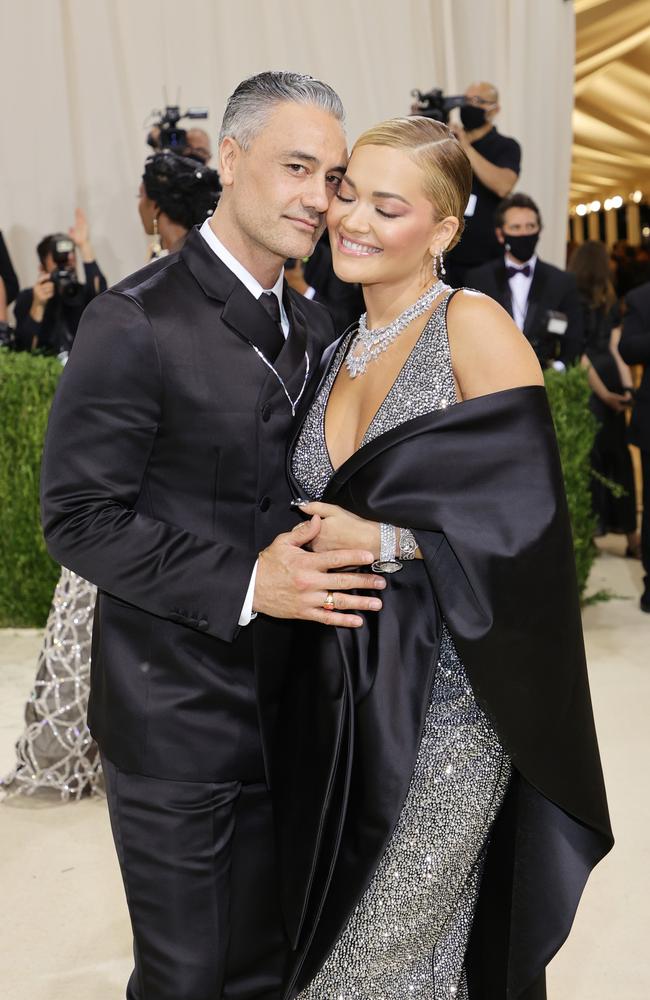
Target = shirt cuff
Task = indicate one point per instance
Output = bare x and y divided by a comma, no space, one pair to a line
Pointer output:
310,292
247,614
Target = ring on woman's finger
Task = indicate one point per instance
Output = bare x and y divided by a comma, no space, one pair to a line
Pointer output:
328,604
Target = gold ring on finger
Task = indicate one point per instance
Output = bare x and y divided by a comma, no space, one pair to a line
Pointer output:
328,603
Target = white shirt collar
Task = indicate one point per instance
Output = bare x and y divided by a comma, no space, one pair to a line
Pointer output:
231,262
246,278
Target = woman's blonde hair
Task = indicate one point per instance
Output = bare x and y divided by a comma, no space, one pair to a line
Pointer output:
436,150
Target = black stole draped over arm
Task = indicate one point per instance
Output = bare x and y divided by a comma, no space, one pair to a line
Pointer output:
481,487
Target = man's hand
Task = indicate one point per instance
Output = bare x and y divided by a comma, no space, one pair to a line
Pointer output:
460,134
293,583
42,292
80,235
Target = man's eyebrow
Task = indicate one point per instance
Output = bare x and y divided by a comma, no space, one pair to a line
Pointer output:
378,194
298,154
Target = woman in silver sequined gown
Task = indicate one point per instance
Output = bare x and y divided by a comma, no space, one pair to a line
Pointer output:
407,935
55,751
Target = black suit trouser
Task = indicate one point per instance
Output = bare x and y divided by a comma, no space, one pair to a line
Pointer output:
198,863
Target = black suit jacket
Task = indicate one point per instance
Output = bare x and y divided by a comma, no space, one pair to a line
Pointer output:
163,477
634,348
551,288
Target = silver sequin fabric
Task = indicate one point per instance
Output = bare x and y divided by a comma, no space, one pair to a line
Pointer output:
55,751
407,937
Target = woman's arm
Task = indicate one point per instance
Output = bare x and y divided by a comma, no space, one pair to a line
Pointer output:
623,370
598,387
488,352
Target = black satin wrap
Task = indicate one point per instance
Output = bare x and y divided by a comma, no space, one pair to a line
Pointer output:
480,485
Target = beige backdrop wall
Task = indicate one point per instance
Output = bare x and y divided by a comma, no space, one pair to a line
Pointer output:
79,78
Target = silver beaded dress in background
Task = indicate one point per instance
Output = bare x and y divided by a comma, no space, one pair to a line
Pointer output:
55,751
407,937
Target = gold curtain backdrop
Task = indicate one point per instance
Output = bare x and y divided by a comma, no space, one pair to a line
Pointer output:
611,131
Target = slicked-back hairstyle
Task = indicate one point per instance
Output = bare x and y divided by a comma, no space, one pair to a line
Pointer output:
518,200
250,106
447,174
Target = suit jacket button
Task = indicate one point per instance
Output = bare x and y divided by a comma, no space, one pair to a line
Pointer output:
267,410
265,503
202,624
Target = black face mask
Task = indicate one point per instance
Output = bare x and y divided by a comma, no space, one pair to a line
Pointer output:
472,117
521,247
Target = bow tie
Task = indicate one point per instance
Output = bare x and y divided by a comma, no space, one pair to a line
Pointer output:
525,270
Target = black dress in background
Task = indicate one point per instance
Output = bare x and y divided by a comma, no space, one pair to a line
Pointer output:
610,457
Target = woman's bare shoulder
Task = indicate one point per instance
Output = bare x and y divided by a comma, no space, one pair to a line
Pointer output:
488,352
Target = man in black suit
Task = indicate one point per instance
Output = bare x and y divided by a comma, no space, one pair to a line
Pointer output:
542,299
164,483
634,348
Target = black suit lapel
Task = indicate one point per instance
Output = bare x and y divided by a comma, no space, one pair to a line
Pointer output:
537,286
504,297
244,314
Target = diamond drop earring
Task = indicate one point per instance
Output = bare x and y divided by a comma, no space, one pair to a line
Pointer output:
156,244
442,268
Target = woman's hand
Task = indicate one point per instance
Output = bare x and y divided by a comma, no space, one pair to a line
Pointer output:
342,530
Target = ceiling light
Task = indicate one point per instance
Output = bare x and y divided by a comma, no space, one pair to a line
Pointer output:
636,196
616,201
645,232
581,209
595,206
608,204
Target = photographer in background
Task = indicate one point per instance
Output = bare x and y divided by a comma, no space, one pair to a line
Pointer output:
47,315
8,292
496,162
542,299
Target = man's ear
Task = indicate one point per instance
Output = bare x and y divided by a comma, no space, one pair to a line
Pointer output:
500,235
229,153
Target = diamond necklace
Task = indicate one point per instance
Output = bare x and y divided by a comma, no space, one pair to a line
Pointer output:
369,344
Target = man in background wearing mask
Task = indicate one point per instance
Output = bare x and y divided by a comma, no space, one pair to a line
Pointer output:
496,162
542,299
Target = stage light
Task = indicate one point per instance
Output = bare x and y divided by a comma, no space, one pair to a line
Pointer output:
617,201
608,203
636,196
581,209
595,206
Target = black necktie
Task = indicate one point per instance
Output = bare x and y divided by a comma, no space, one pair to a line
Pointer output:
525,270
270,304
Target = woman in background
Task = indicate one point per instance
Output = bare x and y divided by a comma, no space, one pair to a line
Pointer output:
611,396
176,193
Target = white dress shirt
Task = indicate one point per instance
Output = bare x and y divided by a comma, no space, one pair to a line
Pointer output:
520,288
254,287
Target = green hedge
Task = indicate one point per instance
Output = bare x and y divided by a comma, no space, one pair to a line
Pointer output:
27,384
27,574
575,426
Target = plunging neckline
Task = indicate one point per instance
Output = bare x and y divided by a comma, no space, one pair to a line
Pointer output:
444,298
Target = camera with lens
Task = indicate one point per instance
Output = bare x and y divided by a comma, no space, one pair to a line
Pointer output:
63,276
168,134
433,104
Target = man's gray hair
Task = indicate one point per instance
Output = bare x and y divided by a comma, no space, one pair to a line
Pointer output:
252,103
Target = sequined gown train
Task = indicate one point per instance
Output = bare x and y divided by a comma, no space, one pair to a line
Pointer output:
55,750
407,937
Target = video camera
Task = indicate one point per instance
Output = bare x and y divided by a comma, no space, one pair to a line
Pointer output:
433,104
169,135
64,277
